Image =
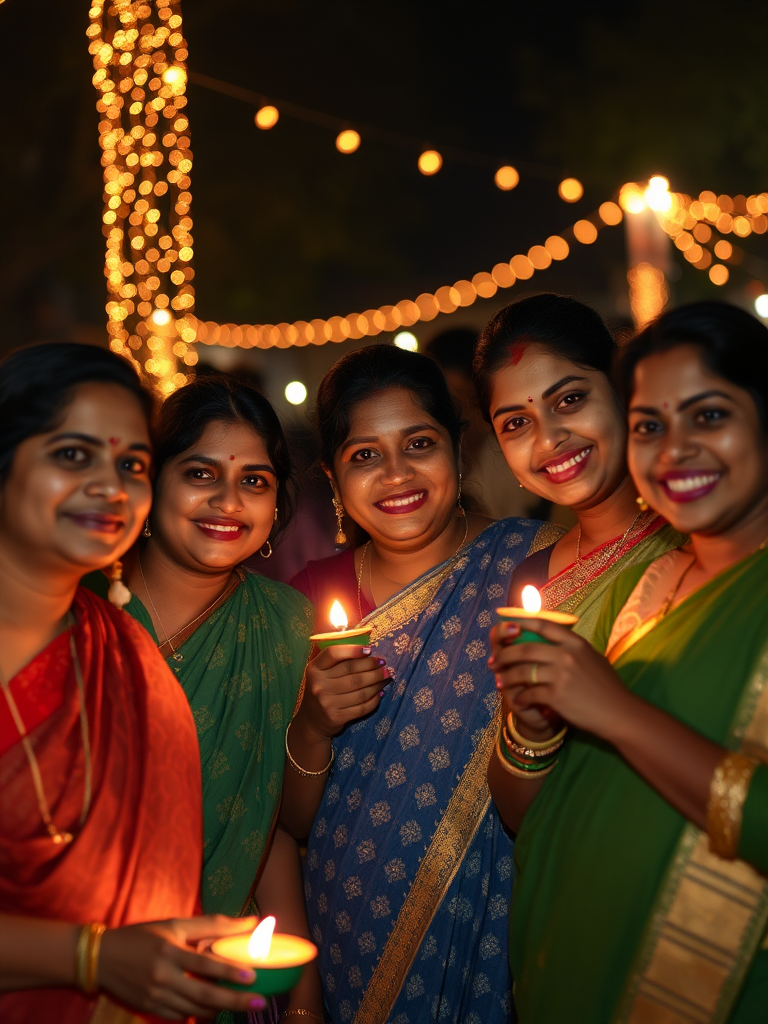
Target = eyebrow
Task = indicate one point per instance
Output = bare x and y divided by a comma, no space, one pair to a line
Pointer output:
649,410
403,433
256,467
137,446
545,394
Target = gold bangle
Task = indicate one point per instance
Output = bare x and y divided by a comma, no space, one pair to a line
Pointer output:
727,793
525,742
81,960
517,750
94,949
297,767
517,772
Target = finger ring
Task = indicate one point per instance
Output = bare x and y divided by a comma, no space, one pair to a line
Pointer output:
534,673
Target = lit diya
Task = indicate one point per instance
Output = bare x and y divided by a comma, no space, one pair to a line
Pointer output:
532,610
341,635
277,959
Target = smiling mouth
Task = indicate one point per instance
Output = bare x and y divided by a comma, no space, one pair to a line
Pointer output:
401,503
690,486
570,467
98,522
220,530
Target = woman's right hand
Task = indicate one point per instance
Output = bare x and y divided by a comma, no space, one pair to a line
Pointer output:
343,683
537,722
154,968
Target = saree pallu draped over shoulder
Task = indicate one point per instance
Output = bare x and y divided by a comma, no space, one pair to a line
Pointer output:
621,912
137,857
408,869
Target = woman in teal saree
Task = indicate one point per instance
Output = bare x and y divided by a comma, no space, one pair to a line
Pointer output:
237,642
643,849
408,868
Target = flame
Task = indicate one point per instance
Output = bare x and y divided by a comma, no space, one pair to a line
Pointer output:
531,599
261,940
338,616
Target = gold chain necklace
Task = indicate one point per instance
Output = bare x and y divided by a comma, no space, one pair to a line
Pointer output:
613,546
370,564
175,654
56,834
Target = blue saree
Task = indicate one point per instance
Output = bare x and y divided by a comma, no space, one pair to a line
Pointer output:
409,871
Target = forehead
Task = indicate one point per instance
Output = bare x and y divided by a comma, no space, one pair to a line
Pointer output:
104,410
675,375
220,440
387,412
533,368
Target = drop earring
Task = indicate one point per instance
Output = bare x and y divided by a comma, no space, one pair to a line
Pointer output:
459,510
147,531
118,594
642,504
341,537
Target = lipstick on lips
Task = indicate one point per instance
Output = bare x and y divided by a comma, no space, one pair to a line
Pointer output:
401,504
221,528
681,485
567,465
99,522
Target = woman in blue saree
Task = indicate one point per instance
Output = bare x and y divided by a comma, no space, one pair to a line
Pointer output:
408,866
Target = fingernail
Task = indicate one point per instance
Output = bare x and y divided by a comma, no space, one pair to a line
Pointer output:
511,628
381,693
245,975
367,651
258,1003
381,662
491,661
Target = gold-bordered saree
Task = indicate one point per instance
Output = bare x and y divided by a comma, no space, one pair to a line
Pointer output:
408,867
620,912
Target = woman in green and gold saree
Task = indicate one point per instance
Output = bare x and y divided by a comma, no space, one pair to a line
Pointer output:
642,846
237,642
542,370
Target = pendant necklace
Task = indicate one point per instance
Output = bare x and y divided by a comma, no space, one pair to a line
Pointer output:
59,837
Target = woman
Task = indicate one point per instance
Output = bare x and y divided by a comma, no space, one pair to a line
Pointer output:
408,868
542,370
99,769
237,643
641,893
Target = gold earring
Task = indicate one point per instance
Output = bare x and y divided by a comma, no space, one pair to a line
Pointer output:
147,531
269,552
118,594
642,504
460,510
275,515
341,537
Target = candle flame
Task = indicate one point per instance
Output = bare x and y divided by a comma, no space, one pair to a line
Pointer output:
338,616
531,599
261,940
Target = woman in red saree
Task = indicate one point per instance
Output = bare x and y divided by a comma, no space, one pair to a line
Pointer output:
99,769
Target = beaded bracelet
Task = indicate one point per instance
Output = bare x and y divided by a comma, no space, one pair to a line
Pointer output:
528,754
525,765
519,773
530,744
297,767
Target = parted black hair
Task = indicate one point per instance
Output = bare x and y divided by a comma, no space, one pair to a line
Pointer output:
224,398
558,323
370,372
37,384
733,344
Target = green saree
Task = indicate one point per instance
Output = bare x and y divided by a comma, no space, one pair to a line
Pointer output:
601,856
242,669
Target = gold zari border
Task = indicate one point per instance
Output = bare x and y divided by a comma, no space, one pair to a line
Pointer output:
710,915
107,1012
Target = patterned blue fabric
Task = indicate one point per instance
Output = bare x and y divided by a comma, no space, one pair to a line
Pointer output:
392,779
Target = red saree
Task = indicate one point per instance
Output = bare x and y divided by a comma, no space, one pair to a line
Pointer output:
138,855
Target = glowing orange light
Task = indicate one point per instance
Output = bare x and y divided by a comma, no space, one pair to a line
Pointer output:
531,598
266,117
506,178
585,232
430,162
260,942
338,616
347,141
570,190
718,274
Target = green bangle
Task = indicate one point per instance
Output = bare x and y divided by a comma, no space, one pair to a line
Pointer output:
537,766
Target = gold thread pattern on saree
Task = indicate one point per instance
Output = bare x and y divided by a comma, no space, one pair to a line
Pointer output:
727,793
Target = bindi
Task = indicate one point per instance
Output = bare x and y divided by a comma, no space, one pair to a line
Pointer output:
231,458
529,398
517,353
114,441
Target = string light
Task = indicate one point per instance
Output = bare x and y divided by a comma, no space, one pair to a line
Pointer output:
295,392
347,141
139,57
430,162
761,306
406,340
506,178
407,312
570,190
266,117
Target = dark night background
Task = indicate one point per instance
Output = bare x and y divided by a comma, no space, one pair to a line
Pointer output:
287,228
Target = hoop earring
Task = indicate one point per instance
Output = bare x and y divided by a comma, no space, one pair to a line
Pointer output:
147,531
341,537
118,594
269,553
460,510
642,504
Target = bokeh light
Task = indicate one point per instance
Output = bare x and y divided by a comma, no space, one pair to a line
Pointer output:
347,141
761,305
266,117
295,392
570,190
506,178
430,162
406,340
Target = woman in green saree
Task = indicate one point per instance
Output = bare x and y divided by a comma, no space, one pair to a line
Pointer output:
237,642
542,370
642,856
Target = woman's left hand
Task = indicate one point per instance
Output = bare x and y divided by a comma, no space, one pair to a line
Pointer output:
567,674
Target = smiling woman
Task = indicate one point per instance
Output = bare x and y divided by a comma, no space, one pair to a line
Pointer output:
407,862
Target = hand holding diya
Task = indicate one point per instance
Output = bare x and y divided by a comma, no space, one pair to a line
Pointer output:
359,635
278,959
532,610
